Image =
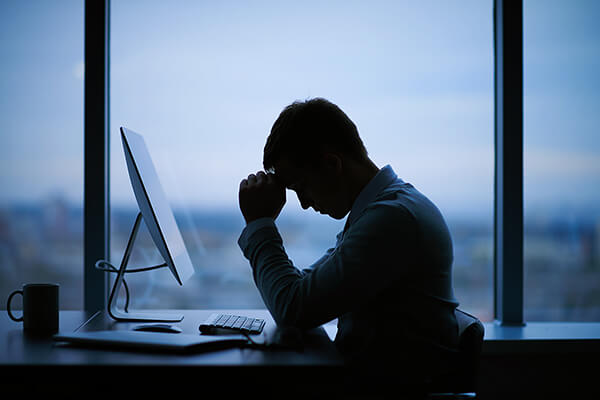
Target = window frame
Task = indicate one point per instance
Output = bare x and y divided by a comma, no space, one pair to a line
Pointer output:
508,162
508,155
96,199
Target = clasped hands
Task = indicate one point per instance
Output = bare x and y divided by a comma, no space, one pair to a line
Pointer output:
261,195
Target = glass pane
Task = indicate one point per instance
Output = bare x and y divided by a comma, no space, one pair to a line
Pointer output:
562,160
204,82
41,147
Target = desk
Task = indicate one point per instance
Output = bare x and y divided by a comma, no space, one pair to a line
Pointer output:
318,365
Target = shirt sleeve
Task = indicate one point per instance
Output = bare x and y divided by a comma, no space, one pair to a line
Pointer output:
366,261
252,227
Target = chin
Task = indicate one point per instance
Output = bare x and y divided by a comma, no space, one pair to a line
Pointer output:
333,214
337,216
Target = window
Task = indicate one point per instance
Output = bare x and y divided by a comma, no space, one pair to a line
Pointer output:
41,147
205,81
561,160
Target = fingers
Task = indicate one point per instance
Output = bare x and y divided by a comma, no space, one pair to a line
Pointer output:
260,195
270,178
259,179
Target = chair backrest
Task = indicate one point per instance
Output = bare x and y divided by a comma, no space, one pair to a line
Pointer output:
470,331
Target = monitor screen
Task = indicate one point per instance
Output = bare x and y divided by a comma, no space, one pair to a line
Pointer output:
154,206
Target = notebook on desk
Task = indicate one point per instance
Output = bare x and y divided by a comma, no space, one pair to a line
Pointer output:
156,341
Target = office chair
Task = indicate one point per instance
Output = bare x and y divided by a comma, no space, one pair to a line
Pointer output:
462,382
460,366
470,331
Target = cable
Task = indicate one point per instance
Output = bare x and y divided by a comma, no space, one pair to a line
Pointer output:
146,268
111,268
253,344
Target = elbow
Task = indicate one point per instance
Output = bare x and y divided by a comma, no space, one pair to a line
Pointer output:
292,320
286,299
284,307
284,318
287,309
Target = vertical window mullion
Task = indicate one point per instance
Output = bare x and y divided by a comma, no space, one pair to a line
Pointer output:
96,152
508,185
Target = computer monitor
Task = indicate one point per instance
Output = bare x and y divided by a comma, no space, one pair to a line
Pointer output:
159,218
154,206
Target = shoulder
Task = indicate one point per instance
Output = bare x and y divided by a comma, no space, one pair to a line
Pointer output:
394,202
380,231
407,199
400,206
385,216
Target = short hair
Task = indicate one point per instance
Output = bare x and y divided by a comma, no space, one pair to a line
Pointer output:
306,129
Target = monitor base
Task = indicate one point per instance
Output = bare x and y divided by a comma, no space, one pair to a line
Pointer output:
125,315
142,316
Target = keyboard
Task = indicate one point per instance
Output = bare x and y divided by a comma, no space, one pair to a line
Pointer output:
228,324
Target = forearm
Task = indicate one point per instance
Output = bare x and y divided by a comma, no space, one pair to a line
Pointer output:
367,261
303,299
274,274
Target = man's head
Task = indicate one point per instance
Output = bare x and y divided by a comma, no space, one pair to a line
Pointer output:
314,149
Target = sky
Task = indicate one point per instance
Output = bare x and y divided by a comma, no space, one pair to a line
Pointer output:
204,81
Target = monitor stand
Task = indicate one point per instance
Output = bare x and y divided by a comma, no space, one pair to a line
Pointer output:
122,315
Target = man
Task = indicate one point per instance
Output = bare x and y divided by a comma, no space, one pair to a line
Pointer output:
388,280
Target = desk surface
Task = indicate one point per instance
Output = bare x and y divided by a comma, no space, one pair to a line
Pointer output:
29,363
32,364
21,350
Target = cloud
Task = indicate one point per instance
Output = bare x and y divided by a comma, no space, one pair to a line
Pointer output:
79,70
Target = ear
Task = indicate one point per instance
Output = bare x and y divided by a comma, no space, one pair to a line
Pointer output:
333,163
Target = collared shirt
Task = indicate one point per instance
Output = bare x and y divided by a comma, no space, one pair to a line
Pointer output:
388,277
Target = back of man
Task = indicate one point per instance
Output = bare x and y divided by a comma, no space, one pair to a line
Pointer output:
411,320
388,279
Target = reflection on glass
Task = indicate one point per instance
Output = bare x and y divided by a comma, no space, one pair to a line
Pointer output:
204,81
41,147
562,160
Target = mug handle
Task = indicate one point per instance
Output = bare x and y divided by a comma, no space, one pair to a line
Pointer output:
10,314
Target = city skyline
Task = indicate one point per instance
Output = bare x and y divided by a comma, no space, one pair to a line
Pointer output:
562,259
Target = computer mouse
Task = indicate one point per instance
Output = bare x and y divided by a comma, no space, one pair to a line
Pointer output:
165,328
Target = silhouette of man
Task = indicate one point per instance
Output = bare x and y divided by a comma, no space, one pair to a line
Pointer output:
388,280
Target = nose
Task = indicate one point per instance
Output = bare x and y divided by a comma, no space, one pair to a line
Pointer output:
304,201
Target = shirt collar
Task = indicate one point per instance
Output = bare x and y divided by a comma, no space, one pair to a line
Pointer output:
380,181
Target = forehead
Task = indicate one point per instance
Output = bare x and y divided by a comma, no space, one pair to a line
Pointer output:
286,172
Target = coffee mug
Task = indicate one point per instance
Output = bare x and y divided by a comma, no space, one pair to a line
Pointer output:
40,308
